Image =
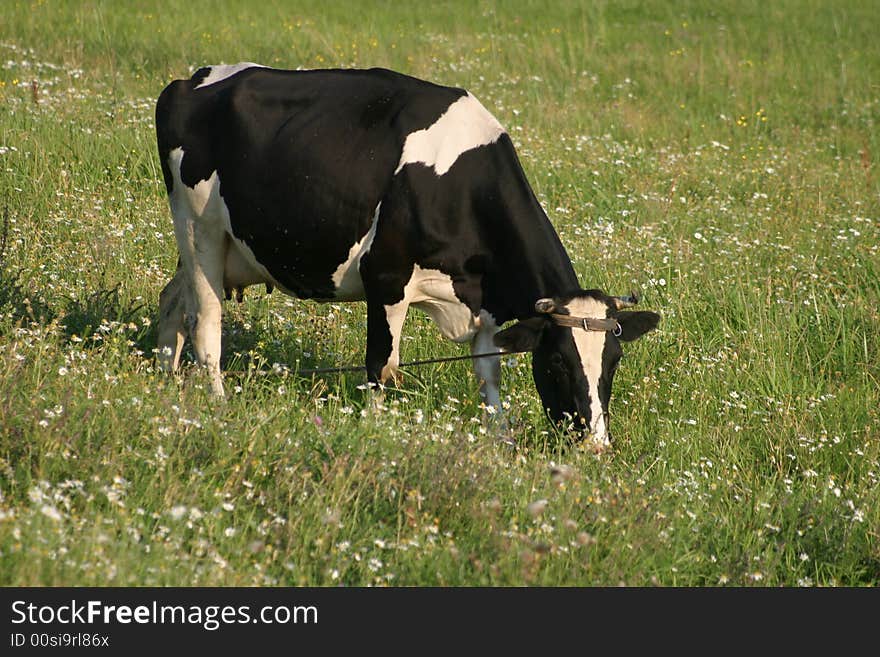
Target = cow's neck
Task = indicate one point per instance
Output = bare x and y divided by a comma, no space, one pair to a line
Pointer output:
534,263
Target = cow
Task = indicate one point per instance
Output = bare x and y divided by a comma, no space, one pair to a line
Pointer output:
371,185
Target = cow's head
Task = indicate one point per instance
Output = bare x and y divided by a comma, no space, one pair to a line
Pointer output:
575,340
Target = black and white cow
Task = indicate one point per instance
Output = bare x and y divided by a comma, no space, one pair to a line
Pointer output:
371,185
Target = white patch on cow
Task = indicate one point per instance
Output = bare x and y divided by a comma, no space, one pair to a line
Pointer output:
431,291
223,71
590,345
465,125
347,277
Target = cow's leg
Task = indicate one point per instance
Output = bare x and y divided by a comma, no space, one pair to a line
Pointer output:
488,369
203,253
206,314
172,305
384,327
385,270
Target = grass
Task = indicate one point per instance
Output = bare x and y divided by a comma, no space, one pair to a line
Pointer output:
721,157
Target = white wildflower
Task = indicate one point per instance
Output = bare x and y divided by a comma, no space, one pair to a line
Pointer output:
50,512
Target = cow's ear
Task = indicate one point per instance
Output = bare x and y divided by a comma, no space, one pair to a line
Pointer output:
522,336
634,325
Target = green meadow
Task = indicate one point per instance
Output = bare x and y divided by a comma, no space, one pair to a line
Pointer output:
719,157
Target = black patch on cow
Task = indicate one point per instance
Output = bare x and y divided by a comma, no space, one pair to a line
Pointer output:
303,157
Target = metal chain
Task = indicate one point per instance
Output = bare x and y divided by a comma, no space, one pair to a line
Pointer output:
362,368
413,363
